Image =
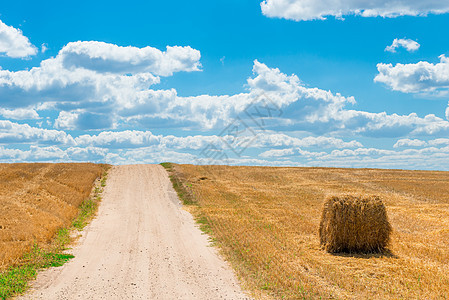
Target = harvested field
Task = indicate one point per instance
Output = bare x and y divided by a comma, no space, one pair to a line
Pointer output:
38,199
266,222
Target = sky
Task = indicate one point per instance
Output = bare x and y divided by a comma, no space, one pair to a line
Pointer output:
360,84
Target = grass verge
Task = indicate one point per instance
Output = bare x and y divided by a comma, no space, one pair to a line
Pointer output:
183,191
15,280
187,197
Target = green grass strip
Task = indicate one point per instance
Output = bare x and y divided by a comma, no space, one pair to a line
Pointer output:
15,280
184,194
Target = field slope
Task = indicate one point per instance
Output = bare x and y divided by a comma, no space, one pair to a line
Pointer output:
38,199
266,221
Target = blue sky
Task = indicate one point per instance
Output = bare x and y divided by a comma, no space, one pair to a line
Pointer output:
359,84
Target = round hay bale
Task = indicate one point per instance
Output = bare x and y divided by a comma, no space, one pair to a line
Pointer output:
354,224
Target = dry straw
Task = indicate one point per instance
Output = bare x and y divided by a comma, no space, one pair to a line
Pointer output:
355,224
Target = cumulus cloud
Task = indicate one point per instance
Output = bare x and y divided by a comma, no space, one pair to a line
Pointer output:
98,86
429,158
95,84
83,120
11,132
87,100
135,138
19,113
302,10
105,57
13,43
283,140
44,48
439,142
298,152
421,143
123,147
407,44
409,143
422,77
77,88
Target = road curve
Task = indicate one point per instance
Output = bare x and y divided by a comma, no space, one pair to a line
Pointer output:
142,245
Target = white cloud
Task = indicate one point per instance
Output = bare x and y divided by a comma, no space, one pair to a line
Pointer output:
430,158
302,10
87,100
66,120
106,90
409,143
23,133
439,142
116,148
282,140
83,120
44,48
77,88
92,86
447,113
422,77
86,154
119,139
277,153
421,143
19,113
135,138
103,57
295,152
407,44
13,43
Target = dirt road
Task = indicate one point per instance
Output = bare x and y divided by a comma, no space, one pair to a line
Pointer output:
142,245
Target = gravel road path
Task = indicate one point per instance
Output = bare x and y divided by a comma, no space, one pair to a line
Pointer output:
142,245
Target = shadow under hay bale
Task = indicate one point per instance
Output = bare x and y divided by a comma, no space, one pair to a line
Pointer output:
354,224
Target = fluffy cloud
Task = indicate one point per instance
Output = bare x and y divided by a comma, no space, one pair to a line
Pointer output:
318,111
422,77
425,158
409,142
77,88
119,139
23,133
13,43
135,138
421,143
87,99
19,113
301,10
103,57
11,132
283,140
90,74
439,142
126,147
407,44
430,158
94,85
83,120
291,152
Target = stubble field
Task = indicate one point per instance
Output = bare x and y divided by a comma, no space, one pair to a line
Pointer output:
265,221
38,199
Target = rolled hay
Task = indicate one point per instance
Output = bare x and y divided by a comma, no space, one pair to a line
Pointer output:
354,224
